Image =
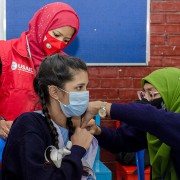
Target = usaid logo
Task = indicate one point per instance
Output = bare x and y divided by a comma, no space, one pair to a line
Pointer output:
14,65
21,67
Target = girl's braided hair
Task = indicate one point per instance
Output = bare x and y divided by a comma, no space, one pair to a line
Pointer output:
55,70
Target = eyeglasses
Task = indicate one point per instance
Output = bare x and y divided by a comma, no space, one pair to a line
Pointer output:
149,95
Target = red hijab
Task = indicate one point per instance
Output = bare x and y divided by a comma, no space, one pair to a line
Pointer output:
49,17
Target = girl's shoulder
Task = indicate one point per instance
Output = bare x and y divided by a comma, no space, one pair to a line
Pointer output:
30,121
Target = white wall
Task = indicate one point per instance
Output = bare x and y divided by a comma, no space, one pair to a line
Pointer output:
2,19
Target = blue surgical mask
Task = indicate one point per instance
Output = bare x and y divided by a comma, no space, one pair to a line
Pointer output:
78,103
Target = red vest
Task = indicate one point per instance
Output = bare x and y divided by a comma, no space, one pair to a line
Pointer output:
16,81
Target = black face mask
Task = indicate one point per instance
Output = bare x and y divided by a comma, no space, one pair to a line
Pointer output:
158,103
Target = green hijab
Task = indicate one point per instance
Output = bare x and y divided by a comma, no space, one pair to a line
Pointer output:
167,83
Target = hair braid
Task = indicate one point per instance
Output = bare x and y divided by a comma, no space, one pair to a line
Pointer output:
48,119
70,126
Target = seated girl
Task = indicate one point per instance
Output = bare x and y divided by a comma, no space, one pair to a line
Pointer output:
45,144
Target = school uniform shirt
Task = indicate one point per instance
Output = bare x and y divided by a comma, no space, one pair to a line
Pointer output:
142,119
23,157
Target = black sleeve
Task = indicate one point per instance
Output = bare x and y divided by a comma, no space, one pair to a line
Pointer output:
122,139
163,124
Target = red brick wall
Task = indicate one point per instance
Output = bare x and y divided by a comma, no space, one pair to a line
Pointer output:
120,83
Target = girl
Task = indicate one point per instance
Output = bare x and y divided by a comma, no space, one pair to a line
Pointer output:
38,145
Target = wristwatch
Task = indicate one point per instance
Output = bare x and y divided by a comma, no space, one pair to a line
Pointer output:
102,111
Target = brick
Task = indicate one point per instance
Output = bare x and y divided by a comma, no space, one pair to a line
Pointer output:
129,94
171,61
165,6
117,100
173,18
157,29
157,18
94,83
134,71
173,40
173,29
158,40
103,72
137,83
165,50
156,61
104,94
116,83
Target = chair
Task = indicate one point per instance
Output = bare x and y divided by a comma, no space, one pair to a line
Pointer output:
140,164
101,171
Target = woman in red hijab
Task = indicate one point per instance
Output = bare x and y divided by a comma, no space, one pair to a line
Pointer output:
52,28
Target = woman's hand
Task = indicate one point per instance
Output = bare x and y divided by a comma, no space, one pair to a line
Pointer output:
91,111
82,137
93,128
5,127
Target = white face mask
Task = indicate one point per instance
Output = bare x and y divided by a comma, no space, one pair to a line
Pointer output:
78,103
